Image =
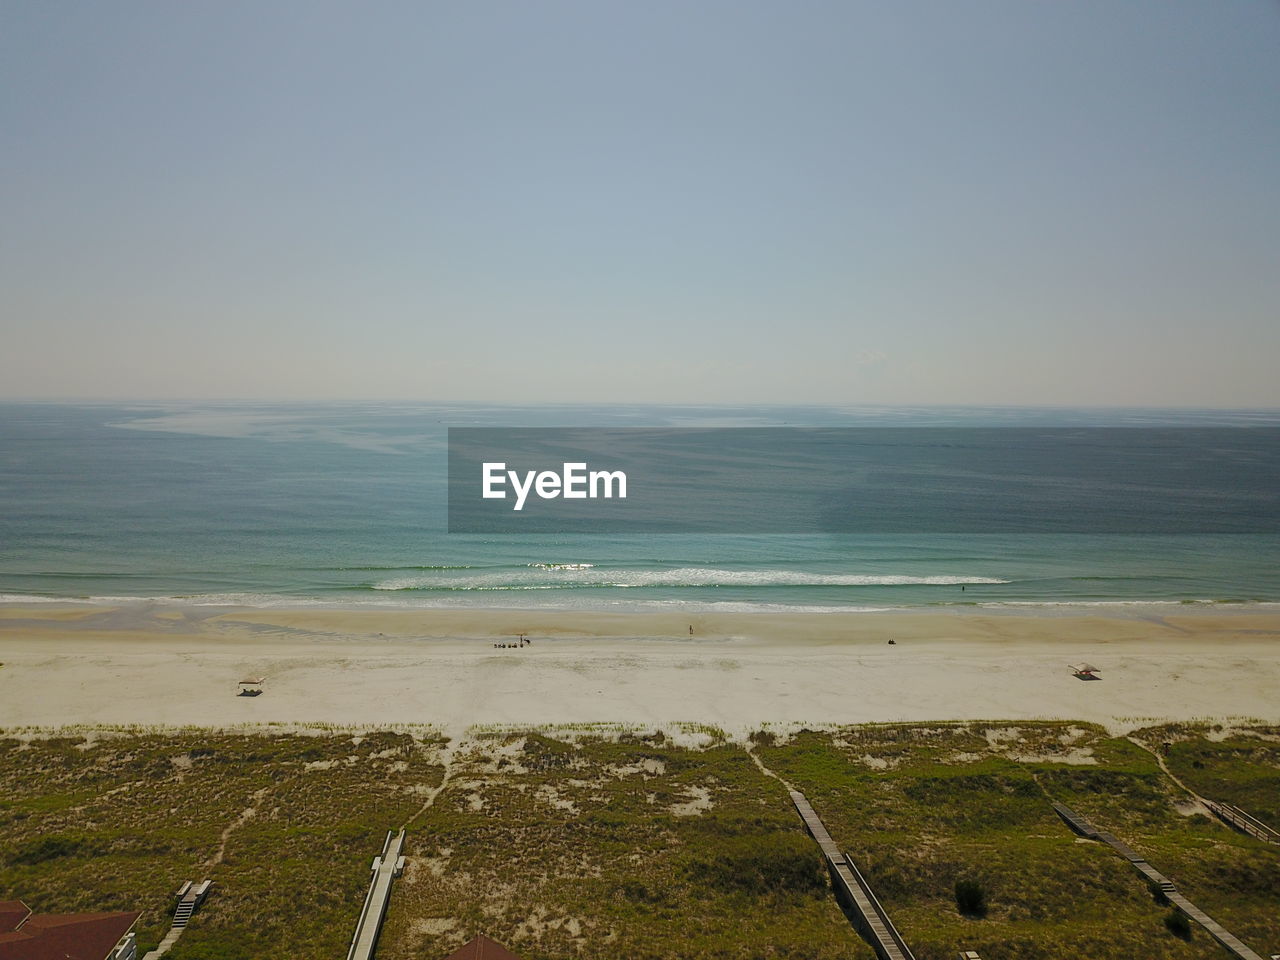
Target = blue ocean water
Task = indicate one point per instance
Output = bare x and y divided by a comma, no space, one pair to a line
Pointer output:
346,504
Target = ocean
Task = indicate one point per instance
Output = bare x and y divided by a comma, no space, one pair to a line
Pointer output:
345,504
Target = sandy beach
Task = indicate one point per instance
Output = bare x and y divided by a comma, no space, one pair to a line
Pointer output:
168,664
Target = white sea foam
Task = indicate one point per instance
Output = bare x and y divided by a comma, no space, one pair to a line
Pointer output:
516,599
22,599
1130,603
568,576
256,600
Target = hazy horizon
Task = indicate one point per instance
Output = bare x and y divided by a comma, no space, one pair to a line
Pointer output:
844,204
392,402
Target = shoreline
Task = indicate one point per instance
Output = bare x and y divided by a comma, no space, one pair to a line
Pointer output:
363,603
175,665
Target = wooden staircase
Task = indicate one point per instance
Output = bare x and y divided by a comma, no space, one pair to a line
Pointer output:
185,909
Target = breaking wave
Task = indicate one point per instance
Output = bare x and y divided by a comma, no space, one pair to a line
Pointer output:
567,576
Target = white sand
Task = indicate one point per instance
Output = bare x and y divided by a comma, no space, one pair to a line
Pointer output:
161,664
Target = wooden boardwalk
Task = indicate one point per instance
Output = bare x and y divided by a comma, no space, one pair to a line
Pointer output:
386,867
1079,824
1237,819
190,896
853,890
1184,906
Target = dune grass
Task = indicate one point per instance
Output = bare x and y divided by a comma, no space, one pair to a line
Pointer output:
629,848
970,802
612,841
120,823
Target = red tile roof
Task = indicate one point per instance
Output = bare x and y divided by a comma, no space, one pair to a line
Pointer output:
59,936
482,948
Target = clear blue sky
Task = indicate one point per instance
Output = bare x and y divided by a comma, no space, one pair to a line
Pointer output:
840,202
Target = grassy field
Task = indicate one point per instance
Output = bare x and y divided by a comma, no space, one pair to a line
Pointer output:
632,848
921,808
619,843
285,825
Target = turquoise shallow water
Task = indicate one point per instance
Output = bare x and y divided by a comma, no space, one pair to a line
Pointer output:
291,504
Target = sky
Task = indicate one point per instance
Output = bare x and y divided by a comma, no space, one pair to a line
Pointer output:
927,202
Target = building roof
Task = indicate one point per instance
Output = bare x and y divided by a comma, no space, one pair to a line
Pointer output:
482,948
12,913
59,936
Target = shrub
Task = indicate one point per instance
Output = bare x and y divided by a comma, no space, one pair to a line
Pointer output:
971,899
53,846
1178,925
760,864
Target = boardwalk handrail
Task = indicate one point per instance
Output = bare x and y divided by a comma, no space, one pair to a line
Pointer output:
870,918
385,866
880,911
1184,906
1243,821
368,898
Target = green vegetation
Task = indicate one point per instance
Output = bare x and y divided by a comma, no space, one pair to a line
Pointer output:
1241,767
1178,925
971,899
628,847
118,823
923,807
612,842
